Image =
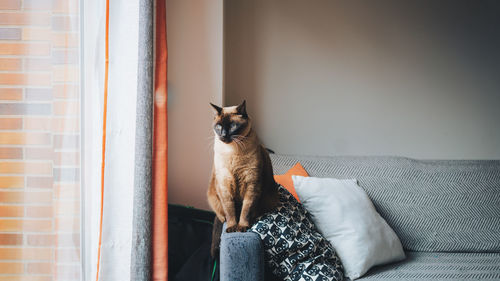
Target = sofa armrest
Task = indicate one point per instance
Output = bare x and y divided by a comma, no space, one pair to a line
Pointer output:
241,257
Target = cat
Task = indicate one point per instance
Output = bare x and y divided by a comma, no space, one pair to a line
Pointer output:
242,185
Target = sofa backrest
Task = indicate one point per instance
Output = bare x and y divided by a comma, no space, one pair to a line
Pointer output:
432,205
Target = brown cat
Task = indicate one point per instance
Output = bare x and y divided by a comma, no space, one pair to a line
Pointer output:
242,185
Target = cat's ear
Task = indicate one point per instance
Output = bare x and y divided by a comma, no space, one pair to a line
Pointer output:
242,109
217,109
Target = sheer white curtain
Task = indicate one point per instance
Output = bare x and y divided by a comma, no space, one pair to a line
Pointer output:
121,127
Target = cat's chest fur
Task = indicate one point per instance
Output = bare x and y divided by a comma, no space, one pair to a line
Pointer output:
233,165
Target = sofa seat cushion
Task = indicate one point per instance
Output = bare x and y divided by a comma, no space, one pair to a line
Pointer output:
440,266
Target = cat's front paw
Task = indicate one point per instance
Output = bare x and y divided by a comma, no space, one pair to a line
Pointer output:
233,228
242,228
237,228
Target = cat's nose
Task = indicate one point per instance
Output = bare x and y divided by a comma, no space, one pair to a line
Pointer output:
225,139
224,133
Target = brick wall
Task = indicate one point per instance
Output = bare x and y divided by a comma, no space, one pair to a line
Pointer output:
39,140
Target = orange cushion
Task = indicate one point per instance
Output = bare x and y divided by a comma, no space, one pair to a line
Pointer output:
286,179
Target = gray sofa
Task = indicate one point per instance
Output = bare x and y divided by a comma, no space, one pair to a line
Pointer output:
446,214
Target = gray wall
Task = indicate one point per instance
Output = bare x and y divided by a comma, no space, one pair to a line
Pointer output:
411,78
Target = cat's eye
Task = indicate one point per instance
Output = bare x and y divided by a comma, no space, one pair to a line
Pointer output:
218,127
233,127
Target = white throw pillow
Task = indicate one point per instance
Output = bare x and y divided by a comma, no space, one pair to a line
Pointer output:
345,215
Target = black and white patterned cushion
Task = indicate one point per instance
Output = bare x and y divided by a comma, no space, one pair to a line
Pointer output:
294,249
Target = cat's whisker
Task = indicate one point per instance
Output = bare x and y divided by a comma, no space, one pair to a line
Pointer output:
237,144
210,143
241,144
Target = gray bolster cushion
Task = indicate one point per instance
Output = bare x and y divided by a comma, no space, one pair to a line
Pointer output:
241,257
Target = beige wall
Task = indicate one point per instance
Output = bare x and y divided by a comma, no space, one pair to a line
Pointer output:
410,78
417,79
194,30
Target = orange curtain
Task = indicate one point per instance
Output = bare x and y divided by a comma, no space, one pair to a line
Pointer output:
160,131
